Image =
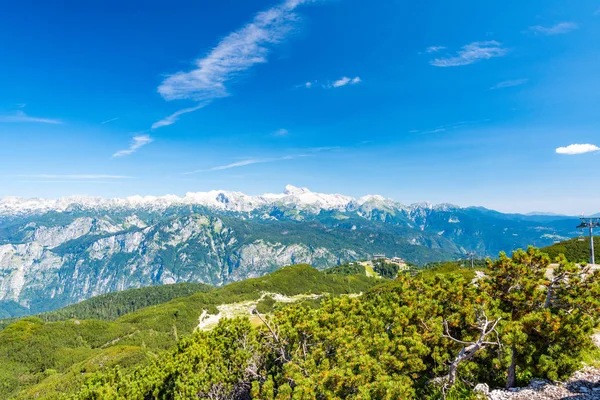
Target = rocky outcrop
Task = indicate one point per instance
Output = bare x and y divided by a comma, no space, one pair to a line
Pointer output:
583,385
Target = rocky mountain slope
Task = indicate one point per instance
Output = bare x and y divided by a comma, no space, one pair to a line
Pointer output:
57,252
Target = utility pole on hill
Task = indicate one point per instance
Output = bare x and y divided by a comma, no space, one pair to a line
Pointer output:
590,223
472,257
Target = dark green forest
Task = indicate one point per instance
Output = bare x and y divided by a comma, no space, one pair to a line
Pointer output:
110,306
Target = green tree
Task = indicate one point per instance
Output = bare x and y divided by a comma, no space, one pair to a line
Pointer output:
549,313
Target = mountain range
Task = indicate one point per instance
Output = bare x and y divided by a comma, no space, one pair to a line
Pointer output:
55,252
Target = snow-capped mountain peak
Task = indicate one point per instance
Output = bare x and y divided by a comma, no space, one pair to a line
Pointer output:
291,190
292,196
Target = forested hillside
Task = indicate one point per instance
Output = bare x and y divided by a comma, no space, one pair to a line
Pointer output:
112,305
393,341
576,250
49,357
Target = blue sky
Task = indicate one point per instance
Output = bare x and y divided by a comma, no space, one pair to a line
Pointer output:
468,102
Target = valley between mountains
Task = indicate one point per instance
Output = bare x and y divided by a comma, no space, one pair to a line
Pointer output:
58,252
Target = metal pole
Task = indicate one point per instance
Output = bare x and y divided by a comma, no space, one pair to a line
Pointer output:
590,223
592,256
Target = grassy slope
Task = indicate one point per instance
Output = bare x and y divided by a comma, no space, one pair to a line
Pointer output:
39,359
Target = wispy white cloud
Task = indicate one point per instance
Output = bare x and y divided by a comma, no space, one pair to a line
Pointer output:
434,49
109,120
558,29
574,149
281,132
449,127
244,163
78,176
346,81
171,119
436,130
323,148
260,160
510,83
235,54
20,116
54,182
472,53
136,143
343,81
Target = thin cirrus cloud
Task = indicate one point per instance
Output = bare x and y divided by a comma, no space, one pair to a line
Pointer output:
448,127
71,181
509,83
77,176
574,149
136,143
558,29
21,116
244,163
472,53
434,49
236,53
251,161
109,120
74,178
171,119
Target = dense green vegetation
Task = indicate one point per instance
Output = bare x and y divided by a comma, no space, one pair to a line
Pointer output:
454,267
112,305
575,250
347,269
381,267
389,270
39,359
389,343
424,336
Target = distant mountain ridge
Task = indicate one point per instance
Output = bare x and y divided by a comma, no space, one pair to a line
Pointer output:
57,252
217,199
